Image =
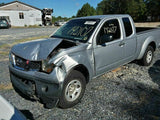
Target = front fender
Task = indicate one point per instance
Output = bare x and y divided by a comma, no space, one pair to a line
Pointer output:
69,62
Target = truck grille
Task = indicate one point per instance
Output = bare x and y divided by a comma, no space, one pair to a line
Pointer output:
23,64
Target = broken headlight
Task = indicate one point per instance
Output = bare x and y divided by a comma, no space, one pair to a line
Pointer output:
46,66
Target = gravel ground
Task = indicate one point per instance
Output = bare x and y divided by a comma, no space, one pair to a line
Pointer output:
131,93
128,93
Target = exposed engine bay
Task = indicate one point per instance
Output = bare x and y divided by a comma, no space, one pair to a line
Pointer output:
62,46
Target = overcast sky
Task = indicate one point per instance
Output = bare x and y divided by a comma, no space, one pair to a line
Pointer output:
64,8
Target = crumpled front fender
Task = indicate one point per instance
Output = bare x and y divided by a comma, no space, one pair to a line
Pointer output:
66,63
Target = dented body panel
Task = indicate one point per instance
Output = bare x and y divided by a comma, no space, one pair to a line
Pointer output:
79,55
58,56
36,50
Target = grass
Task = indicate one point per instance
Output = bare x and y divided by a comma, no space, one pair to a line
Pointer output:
31,26
5,48
4,52
21,40
29,39
25,26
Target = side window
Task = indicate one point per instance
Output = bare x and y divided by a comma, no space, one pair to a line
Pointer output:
110,31
21,15
127,26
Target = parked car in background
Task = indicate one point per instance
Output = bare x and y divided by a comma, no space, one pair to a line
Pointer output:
9,112
60,23
4,23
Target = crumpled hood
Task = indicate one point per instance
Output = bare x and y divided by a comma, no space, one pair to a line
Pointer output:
36,50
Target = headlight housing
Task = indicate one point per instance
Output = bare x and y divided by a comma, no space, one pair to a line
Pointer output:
12,58
46,66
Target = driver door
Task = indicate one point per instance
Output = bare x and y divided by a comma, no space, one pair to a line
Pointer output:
110,54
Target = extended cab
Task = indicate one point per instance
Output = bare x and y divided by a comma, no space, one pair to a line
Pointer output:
56,70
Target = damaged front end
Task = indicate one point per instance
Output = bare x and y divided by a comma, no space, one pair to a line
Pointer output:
33,72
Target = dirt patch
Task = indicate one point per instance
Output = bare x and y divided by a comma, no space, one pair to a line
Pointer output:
116,70
6,87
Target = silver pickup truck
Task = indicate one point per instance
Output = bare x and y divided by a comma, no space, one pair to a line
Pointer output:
56,70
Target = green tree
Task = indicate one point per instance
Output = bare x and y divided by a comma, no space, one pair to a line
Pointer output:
111,7
136,8
153,7
73,16
86,10
1,4
54,19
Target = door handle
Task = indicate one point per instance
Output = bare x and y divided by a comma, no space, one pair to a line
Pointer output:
121,44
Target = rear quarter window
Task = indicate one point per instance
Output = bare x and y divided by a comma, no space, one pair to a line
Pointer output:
127,26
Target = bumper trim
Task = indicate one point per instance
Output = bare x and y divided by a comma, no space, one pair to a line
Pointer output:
22,87
34,75
37,87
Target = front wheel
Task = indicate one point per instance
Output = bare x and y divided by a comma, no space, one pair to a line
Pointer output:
73,89
148,56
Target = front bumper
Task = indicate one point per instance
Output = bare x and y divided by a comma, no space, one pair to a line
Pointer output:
36,85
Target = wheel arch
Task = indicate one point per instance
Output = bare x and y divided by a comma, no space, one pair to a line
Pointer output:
153,45
148,42
81,68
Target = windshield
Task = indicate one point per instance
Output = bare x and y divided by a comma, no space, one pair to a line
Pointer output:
77,29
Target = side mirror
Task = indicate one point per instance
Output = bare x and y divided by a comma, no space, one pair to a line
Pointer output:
105,38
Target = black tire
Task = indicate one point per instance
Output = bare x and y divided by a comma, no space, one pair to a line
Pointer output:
72,78
148,56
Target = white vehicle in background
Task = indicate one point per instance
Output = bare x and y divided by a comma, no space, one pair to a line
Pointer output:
60,23
9,112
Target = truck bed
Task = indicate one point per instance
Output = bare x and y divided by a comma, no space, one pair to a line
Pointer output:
144,33
142,29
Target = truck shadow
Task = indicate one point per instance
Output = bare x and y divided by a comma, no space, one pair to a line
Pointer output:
148,104
27,114
154,72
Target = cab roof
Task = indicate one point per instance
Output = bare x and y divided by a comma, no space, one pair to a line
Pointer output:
104,16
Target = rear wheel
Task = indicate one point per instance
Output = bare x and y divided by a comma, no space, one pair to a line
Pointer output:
73,90
148,56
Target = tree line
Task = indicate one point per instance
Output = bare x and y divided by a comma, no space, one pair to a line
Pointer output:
140,10
1,4
54,19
